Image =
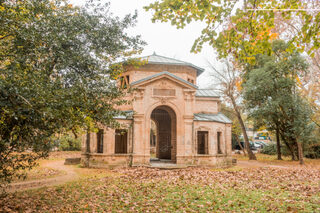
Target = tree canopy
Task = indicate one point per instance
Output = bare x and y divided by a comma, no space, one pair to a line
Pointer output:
56,73
241,30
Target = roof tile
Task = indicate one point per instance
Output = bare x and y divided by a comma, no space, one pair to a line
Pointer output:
219,117
163,73
207,93
157,59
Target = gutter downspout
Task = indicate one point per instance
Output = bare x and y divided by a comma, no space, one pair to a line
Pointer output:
87,154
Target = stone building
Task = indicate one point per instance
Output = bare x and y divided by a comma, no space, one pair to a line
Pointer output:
169,120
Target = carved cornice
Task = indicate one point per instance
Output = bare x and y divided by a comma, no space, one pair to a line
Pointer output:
188,117
201,128
138,93
138,115
189,94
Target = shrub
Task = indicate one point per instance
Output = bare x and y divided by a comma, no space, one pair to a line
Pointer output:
271,149
69,143
312,152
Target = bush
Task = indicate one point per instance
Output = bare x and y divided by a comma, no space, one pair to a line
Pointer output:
312,152
68,143
271,149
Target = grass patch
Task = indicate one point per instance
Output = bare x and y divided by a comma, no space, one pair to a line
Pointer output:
273,159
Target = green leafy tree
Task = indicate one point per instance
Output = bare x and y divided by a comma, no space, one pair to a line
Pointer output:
56,74
272,97
242,31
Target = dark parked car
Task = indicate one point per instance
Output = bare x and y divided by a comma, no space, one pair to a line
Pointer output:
262,144
252,147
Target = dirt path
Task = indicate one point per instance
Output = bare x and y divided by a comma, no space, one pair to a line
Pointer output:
59,165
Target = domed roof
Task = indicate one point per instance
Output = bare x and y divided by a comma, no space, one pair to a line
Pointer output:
157,59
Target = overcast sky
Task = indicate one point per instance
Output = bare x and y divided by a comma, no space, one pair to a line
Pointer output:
163,38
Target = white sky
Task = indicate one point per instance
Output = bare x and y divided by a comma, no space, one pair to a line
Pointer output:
163,38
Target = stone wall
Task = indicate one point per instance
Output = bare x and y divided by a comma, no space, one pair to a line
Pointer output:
207,105
183,72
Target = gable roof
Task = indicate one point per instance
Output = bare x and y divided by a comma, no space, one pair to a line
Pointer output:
157,59
164,73
219,117
207,93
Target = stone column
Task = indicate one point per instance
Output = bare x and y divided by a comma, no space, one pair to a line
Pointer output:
212,142
228,139
138,139
186,148
188,136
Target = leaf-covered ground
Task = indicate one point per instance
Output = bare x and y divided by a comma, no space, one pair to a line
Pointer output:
261,189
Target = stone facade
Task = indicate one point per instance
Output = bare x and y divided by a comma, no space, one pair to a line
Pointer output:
188,128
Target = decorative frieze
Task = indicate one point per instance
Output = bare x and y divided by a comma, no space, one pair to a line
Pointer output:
164,92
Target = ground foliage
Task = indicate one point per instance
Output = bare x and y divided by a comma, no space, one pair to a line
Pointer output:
263,189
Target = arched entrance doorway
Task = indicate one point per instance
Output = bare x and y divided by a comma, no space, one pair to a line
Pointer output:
163,133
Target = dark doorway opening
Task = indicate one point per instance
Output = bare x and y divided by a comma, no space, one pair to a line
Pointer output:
163,134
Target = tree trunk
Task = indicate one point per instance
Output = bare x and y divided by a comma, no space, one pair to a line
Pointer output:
88,142
241,147
300,153
290,148
278,144
293,156
243,128
75,133
87,154
294,145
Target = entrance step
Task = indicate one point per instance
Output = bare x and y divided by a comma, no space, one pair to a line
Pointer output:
166,165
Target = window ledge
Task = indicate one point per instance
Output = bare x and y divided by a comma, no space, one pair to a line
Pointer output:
108,154
210,155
